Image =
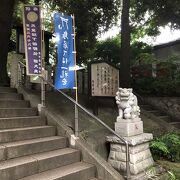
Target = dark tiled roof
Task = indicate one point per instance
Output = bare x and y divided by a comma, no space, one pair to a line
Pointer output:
171,43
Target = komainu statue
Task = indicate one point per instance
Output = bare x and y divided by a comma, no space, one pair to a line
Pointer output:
127,104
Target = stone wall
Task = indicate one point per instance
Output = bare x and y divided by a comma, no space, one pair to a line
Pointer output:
13,60
168,105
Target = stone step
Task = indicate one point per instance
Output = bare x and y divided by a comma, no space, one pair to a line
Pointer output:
11,96
53,159
17,112
146,107
17,134
75,171
155,112
165,118
176,124
7,89
18,122
14,103
32,146
28,165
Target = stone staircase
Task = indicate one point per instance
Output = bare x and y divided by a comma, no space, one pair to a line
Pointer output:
30,149
160,115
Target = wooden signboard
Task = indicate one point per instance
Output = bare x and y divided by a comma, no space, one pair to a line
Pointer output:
104,79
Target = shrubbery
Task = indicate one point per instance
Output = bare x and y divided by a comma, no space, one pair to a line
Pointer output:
166,82
166,147
157,86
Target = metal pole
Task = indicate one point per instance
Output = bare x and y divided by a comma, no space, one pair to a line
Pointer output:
128,174
42,59
76,107
76,121
42,93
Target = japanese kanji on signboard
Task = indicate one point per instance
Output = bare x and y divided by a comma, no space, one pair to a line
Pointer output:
104,79
32,39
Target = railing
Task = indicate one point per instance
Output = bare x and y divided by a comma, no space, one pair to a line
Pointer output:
22,65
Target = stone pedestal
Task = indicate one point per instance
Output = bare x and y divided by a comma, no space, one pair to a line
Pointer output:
131,130
129,127
140,155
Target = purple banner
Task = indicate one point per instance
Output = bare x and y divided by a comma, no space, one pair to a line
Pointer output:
32,39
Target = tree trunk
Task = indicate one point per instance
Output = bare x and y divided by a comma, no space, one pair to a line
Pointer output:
125,46
6,12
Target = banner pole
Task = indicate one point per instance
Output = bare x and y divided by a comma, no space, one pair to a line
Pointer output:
76,88
42,58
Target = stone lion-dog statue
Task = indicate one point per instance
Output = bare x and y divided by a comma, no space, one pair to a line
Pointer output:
127,104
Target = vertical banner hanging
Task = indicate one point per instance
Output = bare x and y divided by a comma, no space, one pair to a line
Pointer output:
32,39
65,71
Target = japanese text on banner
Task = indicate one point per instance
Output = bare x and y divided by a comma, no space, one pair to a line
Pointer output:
32,39
65,76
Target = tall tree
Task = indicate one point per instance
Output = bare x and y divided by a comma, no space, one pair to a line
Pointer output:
145,17
125,46
6,13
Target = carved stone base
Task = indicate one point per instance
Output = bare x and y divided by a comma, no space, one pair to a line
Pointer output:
140,155
126,127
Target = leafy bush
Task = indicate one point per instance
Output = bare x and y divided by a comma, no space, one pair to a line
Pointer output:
167,82
143,85
157,87
165,87
166,147
159,149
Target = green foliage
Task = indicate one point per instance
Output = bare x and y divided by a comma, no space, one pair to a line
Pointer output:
148,15
162,12
143,85
156,86
108,50
172,140
166,147
159,149
171,176
17,15
13,35
167,82
141,54
165,87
